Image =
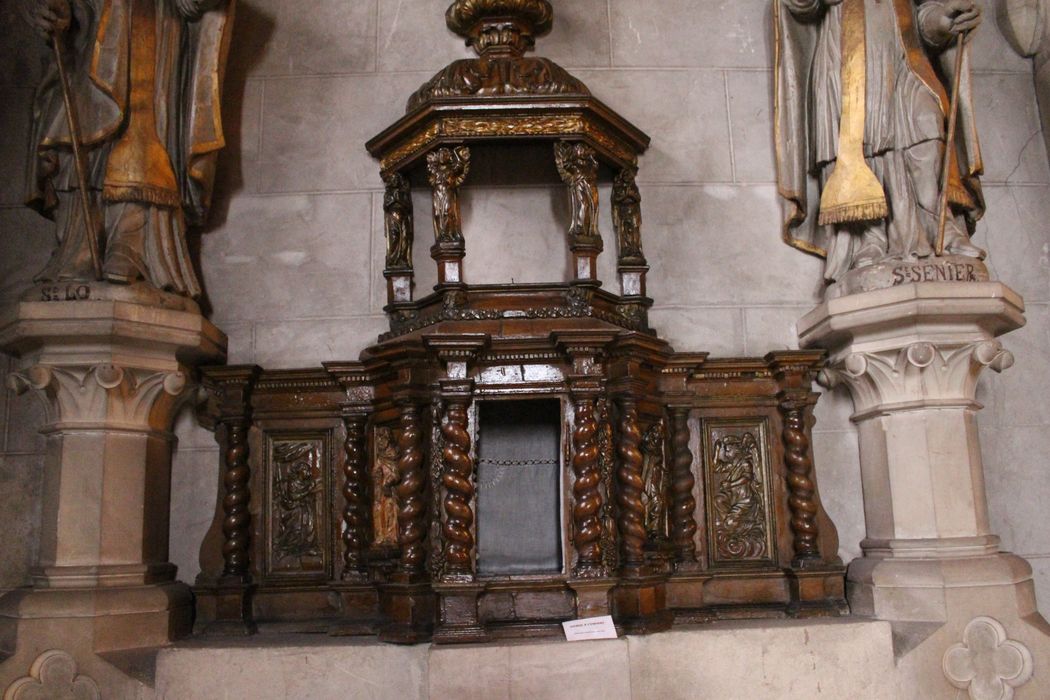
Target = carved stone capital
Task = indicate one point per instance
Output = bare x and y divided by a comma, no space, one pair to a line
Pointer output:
105,395
921,374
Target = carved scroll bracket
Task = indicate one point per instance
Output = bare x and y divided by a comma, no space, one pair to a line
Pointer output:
915,376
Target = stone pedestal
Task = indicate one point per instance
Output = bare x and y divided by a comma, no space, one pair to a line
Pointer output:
910,356
113,366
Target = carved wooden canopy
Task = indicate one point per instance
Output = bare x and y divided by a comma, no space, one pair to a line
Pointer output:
504,94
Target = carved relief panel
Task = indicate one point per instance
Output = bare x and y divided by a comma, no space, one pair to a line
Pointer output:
384,482
736,468
297,484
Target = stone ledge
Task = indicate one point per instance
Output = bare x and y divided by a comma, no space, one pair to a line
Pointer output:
845,658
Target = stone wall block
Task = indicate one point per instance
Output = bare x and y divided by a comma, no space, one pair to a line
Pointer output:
689,34
194,475
698,240
20,488
287,344
314,130
691,142
717,330
15,118
1010,129
751,117
1017,500
1014,233
290,39
26,239
289,257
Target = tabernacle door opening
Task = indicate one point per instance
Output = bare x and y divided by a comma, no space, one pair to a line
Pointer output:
519,491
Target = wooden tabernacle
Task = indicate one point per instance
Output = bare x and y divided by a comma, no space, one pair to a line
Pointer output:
511,456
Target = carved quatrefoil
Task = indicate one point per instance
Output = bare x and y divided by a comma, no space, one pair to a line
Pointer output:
53,675
986,663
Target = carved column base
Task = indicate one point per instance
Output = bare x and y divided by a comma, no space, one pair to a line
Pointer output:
459,602
593,596
113,366
225,609
817,591
357,601
910,356
408,613
640,605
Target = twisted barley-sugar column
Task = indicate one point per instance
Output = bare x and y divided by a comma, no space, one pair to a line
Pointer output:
802,491
355,495
630,486
236,526
411,504
588,498
459,490
683,505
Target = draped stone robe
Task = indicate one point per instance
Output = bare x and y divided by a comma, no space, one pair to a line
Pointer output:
144,229
904,130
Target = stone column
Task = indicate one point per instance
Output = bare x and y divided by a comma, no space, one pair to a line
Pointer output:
910,356
113,365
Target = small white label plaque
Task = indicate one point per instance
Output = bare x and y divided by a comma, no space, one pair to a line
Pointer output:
590,628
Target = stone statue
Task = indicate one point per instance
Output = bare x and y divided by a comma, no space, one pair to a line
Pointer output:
861,122
141,85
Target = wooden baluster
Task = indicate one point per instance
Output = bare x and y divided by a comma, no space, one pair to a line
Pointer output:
587,495
802,491
236,526
683,504
355,494
411,516
629,489
458,478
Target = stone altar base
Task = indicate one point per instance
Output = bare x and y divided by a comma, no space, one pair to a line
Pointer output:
782,660
963,613
113,365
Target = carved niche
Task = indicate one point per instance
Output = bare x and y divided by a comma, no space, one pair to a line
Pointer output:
655,476
384,484
297,483
738,502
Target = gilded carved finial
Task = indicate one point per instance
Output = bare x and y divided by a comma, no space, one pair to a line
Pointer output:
500,26
501,32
